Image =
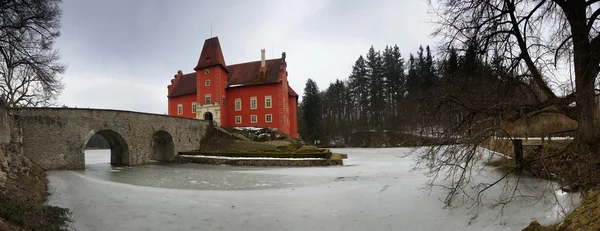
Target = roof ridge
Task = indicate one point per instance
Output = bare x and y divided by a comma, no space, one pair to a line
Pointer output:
253,62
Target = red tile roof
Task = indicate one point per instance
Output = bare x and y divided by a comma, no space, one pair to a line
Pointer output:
239,75
211,55
186,85
249,73
291,92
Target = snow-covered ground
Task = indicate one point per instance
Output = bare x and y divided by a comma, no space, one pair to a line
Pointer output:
375,190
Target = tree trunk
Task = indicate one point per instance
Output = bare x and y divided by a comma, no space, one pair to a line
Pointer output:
588,127
585,75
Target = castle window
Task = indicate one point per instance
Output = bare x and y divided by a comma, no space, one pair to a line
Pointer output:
238,119
253,102
207,82
207,99
268,118
193,107
253,119
268,101
179,109
238,104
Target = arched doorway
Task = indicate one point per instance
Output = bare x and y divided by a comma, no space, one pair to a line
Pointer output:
162,146
208,116
109,139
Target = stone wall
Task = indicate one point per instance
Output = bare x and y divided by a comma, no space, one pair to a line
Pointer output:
55,138
4,140
264,162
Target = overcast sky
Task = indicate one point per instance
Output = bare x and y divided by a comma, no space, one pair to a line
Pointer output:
123,54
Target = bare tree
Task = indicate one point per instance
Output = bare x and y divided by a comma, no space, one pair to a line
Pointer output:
541,43
29,65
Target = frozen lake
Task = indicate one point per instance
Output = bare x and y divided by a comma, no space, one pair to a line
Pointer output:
374,191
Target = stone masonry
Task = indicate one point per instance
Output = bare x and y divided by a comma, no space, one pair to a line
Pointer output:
4,141
56,138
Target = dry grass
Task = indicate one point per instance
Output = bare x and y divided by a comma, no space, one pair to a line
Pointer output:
506,147
540,125
586,216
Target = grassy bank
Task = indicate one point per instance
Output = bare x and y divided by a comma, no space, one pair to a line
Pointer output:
20,213
23,196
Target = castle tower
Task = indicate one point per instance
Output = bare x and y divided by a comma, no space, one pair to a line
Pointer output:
211,80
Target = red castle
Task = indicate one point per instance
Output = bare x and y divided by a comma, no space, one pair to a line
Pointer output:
253,94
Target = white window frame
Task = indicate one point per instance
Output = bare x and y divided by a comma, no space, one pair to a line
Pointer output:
238,102
207,82
268,101
209,97
267,118
238,119
253,119
194,107
179,109
255,101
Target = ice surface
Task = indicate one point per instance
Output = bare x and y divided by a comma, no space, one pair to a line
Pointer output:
376,190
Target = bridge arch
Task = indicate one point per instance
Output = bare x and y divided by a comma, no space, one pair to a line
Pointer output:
163,148
119,149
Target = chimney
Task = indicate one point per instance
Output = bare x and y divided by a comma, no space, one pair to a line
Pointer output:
262,57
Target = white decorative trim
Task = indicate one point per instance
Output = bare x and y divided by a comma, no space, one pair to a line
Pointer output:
267,118
238,100
268,101
209,99
255,103
212,108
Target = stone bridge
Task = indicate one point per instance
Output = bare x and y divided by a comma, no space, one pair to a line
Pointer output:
56,138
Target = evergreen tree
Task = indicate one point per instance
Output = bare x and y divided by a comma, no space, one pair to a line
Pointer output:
469,65
334,109
378,95
359,86
421,68
376,87
412,79
393,67
498,70
429,75
311,108
450,65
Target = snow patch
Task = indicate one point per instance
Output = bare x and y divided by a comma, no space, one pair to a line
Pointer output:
248,128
